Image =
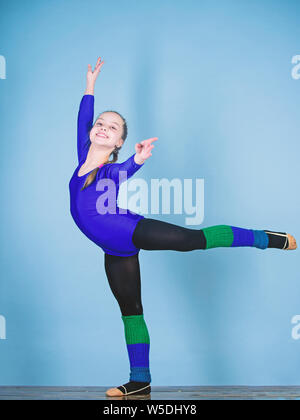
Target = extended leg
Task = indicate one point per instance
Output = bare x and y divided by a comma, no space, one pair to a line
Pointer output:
152,234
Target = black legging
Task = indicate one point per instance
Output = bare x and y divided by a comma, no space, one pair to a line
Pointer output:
124,279
123,273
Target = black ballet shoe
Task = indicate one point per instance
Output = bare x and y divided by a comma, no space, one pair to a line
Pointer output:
135,388
278,240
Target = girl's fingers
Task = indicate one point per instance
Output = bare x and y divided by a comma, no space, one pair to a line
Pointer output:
148,141
100,65
146,144
149,146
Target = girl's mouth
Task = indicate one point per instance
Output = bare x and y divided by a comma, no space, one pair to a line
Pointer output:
102,135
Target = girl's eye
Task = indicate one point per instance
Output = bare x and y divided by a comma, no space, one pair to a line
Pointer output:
112,126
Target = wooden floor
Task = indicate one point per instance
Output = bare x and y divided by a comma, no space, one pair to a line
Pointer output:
158,393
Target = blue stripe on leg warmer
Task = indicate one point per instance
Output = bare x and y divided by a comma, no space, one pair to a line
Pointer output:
261,239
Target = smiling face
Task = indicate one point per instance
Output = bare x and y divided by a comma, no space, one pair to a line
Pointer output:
107,130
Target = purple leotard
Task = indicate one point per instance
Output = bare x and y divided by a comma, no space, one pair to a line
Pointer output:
112,232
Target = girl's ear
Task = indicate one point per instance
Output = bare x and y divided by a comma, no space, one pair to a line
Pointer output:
120,143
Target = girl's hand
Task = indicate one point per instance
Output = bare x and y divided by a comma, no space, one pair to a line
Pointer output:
143,150
92,75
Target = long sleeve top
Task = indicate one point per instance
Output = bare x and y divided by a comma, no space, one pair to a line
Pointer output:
113,230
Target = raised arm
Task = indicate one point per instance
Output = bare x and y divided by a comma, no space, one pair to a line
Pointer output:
84,124
86,112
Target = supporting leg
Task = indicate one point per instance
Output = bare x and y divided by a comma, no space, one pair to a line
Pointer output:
123,275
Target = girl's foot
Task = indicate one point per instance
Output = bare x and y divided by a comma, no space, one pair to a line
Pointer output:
130,388
281,240
292,242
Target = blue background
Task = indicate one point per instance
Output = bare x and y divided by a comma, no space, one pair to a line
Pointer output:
212,80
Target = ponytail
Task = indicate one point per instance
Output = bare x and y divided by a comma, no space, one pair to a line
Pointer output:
93,174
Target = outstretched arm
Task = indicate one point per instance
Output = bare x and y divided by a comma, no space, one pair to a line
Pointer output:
134,163
129,168
86,112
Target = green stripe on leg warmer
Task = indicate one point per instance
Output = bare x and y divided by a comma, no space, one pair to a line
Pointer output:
218,236
136,330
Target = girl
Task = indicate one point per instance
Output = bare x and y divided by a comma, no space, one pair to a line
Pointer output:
121,234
